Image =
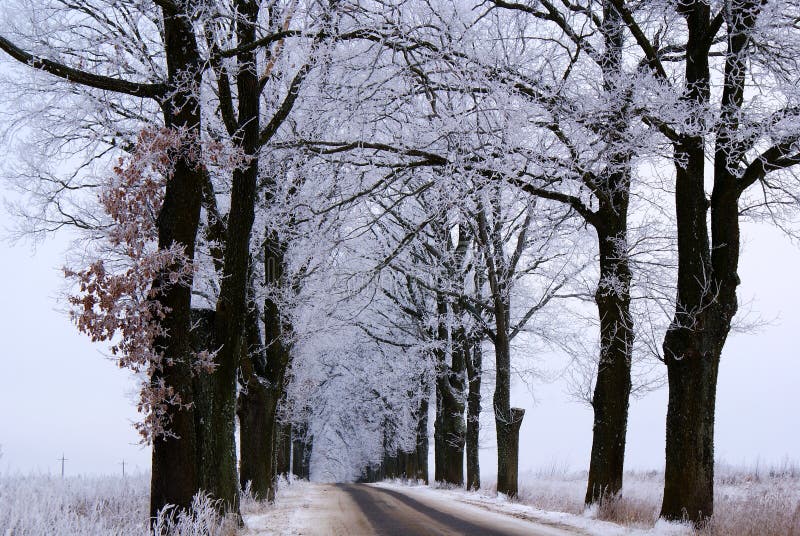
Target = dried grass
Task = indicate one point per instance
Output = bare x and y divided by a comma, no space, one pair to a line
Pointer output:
95,506
753,501
629,511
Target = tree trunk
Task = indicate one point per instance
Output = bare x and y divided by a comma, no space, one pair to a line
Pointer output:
422,442
707,280
438,438
232,303
450,430
613,382
174,476
278,350
508,420
202,385
689,469
302,443
474,371
307,444
508,453
284,456
439,424
255,443
263,368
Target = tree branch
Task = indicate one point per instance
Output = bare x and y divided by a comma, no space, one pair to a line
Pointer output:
153,91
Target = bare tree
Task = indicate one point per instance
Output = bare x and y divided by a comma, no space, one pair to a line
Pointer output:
713,118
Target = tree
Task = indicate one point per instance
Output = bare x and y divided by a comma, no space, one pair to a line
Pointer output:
716,119
578,153
234,39
175,469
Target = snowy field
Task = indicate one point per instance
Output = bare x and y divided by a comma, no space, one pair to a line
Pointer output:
755,502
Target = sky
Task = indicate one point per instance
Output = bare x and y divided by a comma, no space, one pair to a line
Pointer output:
60,394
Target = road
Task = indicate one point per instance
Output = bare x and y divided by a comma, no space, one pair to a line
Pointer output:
367,510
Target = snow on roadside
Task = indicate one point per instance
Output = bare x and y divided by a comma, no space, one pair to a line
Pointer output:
284,516
585,524
308,509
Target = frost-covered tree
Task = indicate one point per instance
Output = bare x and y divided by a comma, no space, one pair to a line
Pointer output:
66,47
95,53
724,96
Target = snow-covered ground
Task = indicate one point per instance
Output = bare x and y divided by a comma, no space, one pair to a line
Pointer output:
305,509
39,505
586,523
748,503
754,501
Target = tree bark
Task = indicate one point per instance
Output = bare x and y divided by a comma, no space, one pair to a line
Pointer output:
613,383
508,420
278,350
202,385
438,438
612,297
689,469
174,476
450,430
301,452
705,302
474,371
232,303
284,456
255,444
422,442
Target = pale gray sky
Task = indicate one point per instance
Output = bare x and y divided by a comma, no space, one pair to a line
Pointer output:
58,392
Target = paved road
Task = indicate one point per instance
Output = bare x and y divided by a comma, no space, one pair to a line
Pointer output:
390,512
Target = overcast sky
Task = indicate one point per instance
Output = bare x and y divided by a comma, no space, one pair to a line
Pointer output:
60,394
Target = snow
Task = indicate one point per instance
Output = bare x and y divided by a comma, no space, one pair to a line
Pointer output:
305,508
748,502
585,524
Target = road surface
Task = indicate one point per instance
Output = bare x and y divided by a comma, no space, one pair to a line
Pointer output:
367,510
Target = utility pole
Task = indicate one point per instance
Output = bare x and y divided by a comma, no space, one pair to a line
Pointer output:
62,459
123,468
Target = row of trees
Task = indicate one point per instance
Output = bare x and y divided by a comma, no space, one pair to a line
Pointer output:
319,212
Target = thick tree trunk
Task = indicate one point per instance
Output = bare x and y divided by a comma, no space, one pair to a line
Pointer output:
174,476
278,350
255,443
391,464
613,381
455,431
508,420
256,413
450,429
474,371
689,470
301,451
202,384
438,438
508,452
439,424
307,445
232,303
707,274
451,436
